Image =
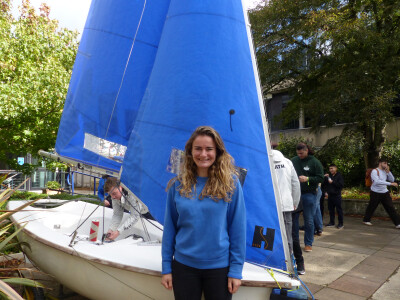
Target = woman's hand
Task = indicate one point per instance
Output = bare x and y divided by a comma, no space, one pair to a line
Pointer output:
166,281
233,284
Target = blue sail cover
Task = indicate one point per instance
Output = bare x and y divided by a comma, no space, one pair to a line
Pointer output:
111,71
202,71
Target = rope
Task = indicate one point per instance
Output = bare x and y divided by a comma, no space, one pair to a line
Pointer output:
271,272
76,230
123,75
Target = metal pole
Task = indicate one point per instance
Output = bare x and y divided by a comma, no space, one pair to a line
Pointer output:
94,186
72,183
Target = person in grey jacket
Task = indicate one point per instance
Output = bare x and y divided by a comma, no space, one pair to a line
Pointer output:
289,190
381,179
121,200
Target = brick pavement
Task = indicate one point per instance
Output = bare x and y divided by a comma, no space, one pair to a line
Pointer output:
357,262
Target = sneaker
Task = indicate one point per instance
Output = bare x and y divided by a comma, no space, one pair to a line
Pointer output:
330,225
368,223
301,270
340,226
398,226
308,248
318,232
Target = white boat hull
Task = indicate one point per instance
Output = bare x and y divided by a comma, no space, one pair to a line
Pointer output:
125,269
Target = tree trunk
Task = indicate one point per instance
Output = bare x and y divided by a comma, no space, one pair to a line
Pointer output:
374,135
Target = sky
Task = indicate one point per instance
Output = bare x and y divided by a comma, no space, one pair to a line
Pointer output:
72,13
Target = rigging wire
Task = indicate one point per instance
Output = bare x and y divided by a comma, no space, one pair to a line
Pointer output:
79,226
124,73
104,217
115,103
140,214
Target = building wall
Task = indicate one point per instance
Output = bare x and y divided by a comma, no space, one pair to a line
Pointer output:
324,134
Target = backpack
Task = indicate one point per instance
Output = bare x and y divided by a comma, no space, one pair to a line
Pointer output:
368,180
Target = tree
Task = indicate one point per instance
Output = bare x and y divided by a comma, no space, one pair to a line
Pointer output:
36,59
341,58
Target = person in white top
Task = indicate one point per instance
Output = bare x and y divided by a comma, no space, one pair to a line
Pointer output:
381,179
122,200
289,189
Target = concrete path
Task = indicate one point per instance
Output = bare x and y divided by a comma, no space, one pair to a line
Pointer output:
357,262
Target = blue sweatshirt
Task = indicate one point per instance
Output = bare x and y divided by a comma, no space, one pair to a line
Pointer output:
100,189
204,234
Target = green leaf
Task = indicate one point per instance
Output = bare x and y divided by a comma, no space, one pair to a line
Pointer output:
4,229
23,281
4,243
19,244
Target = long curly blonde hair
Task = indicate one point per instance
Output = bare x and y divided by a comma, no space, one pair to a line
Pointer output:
221,174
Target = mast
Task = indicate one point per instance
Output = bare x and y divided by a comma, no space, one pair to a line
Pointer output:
267,140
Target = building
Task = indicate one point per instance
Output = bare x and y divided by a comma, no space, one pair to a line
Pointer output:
278,99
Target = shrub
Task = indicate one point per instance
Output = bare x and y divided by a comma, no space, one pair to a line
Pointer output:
18,195
361,193
287,145
54,185
345,151
391,151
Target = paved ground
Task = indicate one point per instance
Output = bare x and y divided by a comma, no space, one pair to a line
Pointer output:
357,262
354,263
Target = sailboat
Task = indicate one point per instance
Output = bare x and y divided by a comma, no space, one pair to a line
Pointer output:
199,69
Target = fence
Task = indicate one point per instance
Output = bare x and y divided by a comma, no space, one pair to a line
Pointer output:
40,177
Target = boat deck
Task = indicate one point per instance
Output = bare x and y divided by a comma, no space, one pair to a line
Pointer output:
326,277
49,232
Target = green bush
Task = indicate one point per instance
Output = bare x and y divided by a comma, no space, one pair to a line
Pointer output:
345,151
355,193
287,145
363,194
65,196
391,151
54,185
18,195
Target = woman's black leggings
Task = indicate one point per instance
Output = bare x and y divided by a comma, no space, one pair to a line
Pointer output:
189,283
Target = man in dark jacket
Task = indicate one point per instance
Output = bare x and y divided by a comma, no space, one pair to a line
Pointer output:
310,173
333,185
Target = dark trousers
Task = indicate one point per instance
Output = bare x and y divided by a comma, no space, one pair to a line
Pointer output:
298,254
386,200
335,201
189,283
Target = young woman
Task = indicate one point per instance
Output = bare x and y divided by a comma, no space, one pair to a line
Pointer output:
204,239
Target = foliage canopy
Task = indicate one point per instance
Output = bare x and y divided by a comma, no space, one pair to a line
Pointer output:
340,58
36,59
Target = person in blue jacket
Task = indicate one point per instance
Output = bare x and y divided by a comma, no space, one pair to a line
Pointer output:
101,194
204,240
